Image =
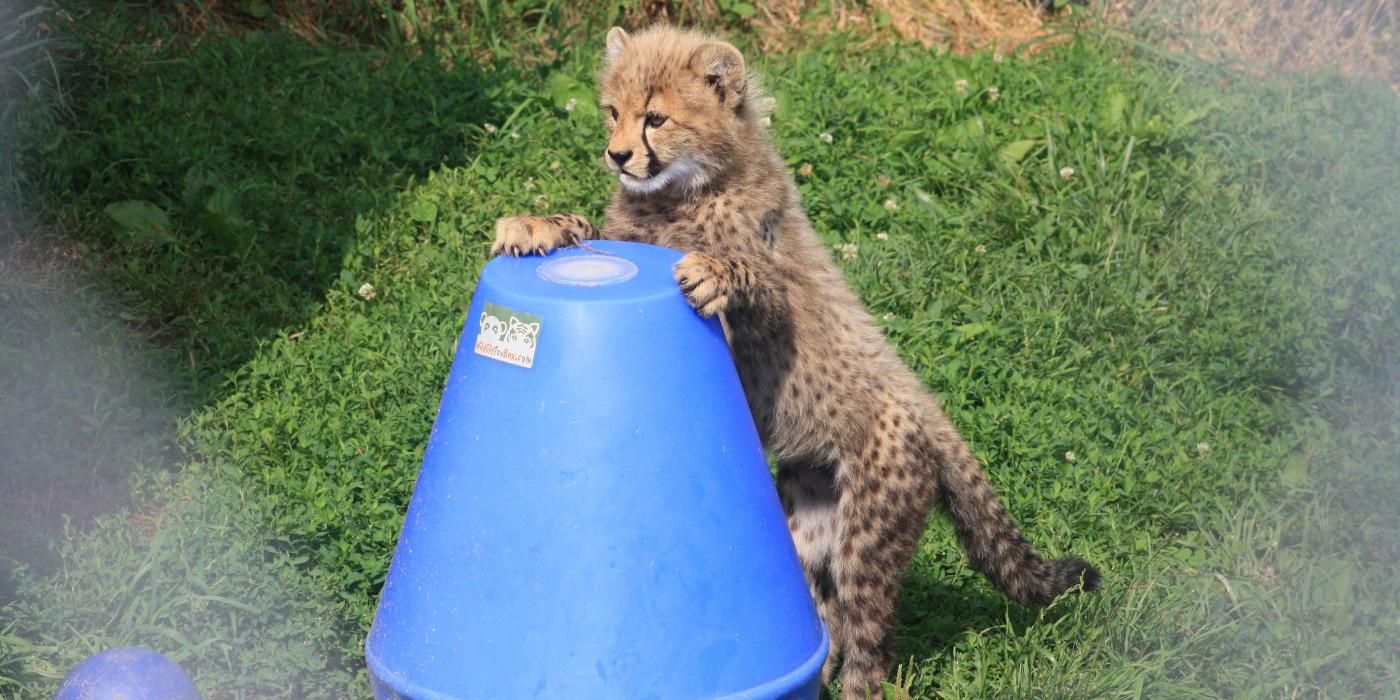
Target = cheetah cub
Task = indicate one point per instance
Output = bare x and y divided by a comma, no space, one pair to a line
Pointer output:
864,451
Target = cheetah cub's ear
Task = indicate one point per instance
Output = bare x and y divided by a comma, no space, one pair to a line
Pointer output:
617,41
722,66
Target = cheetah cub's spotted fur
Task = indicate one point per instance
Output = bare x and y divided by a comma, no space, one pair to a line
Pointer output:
864,451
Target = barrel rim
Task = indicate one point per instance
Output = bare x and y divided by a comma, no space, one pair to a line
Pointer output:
792,680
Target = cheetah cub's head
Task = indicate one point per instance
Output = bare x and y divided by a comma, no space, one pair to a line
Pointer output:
680,108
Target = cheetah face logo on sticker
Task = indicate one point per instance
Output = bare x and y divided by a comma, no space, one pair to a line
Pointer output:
507,335
521,336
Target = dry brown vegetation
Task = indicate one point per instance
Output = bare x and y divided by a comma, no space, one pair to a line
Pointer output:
961,26
1356,37
958,25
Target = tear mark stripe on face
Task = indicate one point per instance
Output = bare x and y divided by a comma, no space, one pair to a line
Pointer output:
653,163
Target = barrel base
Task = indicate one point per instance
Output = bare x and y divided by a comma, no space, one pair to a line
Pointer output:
804,683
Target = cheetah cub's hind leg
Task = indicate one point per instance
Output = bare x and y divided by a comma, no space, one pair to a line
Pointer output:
810,500
885,494
525,235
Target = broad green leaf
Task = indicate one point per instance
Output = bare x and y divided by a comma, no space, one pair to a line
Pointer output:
569,94
256,8
1013,152
222,218
1112,110
141,221
969,330
423,212
1295,470
742,9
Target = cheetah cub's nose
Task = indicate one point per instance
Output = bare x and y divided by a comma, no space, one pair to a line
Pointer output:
621,157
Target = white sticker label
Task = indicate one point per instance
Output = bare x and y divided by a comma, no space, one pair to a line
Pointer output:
507,335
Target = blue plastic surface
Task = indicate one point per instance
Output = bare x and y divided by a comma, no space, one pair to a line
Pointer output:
127,673
601,523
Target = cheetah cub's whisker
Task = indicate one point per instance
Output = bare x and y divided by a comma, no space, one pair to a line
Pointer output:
864,451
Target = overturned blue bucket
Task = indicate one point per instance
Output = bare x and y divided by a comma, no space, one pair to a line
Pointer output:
594,517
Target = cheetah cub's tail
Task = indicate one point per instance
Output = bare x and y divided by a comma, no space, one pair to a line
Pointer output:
995,545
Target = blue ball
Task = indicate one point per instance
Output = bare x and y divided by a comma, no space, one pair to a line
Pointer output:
127,673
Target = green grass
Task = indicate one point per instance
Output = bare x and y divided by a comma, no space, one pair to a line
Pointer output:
252,184
1204,315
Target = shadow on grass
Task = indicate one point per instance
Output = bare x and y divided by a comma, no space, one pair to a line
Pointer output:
216,189
934,610
222,183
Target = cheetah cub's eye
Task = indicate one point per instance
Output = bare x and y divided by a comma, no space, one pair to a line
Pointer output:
655,120
613,111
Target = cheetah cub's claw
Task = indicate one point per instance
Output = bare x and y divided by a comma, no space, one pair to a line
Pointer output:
537,235
703,280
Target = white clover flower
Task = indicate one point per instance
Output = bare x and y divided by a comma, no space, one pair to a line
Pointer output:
997,57
825,137
1069,456
882,236
980,249
993,94
889,316
805,170
1066,173
882,180
366,291
515,134
848,251
891,205
960,85
571,104
1203,449
490,128
541,202
529,183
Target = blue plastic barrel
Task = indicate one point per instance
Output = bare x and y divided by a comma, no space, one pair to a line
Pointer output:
594,517
127,673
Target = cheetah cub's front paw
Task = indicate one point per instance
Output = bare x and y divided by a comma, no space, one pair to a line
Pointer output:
705,282
525,235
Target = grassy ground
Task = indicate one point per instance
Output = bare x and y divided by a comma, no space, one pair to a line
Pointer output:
1159,300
